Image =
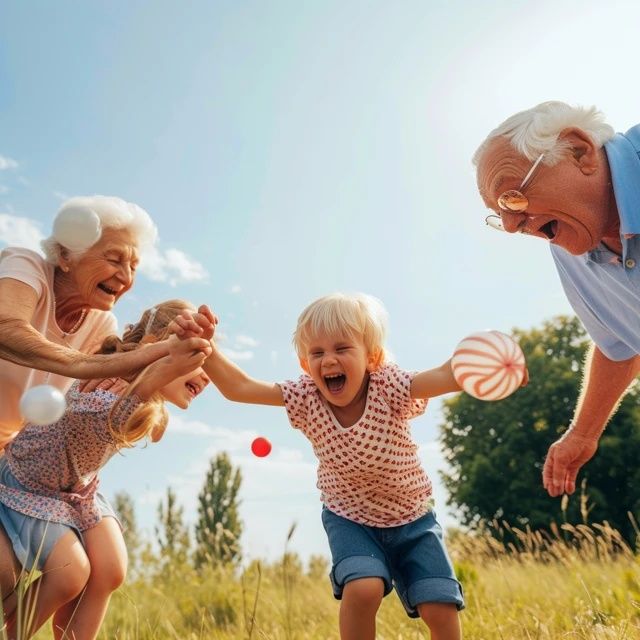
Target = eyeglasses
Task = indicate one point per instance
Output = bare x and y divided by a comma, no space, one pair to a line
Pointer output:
513,200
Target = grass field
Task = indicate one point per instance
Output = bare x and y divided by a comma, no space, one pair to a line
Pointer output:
576,582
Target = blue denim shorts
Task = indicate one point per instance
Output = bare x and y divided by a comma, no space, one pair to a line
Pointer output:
411,558
33,539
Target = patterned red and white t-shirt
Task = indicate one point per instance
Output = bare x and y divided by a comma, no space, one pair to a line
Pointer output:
370,472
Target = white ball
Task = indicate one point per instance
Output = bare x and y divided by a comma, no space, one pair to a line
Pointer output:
489,365
43,404
77,228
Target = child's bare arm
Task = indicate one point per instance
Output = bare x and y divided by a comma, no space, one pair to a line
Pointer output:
434,382
235,384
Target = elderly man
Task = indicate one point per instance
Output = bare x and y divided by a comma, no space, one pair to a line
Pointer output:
560,173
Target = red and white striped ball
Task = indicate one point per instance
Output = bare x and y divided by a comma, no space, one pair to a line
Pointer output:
489,365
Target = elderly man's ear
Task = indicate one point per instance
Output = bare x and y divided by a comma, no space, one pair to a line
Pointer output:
583,150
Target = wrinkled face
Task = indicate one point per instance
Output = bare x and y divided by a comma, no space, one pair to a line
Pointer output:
183,390
568,202
339,366
106,270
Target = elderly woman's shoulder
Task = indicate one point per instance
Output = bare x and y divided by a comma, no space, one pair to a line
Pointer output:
21,259
7,253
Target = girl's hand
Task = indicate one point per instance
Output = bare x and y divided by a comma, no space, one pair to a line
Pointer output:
191,324
187,354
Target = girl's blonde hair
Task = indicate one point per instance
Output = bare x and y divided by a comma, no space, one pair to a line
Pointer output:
150,417
355,315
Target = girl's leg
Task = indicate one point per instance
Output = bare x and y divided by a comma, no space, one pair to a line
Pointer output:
360,603
442,620
9,573
64,575
81,618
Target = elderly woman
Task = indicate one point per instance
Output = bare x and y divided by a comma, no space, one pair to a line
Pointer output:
53,312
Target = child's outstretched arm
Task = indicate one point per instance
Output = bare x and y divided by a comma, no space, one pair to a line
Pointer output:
434,382
234,383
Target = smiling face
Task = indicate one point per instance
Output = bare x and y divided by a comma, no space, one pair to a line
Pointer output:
339,366
105,271
183,390
571,203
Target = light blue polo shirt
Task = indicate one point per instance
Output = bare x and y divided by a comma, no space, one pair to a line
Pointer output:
602,288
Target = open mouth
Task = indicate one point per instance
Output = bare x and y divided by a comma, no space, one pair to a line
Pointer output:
335,383
103,287
550,229
194,390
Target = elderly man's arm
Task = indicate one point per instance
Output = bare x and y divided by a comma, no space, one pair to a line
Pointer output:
22,344
605,383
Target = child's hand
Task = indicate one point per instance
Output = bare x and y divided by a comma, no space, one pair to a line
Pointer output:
191,324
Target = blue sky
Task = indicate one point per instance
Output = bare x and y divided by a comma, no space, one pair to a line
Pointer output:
287,150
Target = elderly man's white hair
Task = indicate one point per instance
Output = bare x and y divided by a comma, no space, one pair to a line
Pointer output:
536,130
112,213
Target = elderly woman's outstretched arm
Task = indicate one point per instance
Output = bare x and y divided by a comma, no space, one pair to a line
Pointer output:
22,344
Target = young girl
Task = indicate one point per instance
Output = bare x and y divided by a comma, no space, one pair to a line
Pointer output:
50,510
354,407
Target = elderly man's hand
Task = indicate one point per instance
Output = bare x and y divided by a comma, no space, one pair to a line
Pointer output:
565,458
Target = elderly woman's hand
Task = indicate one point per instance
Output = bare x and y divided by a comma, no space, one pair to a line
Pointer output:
117,386
190,324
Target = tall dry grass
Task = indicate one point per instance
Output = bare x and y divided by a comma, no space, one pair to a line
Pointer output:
575,582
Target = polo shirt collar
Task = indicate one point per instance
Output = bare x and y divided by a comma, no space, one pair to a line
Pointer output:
623,153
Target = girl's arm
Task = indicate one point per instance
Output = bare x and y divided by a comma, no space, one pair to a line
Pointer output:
434,382
235,384
21,344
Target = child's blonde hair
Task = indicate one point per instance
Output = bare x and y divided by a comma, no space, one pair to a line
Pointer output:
355,315
150,417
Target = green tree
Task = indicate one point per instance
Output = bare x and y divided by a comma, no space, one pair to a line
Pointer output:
218,528
317,567
172,534
124,508
496,449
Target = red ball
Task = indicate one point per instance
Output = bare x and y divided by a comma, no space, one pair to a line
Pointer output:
261,447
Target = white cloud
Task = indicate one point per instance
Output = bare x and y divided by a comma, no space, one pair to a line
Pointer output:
172,266
60,195
151,496
7,163
225,438
284,480
179,424
246,341
236,288
20,232
238,355
241,350
3,189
